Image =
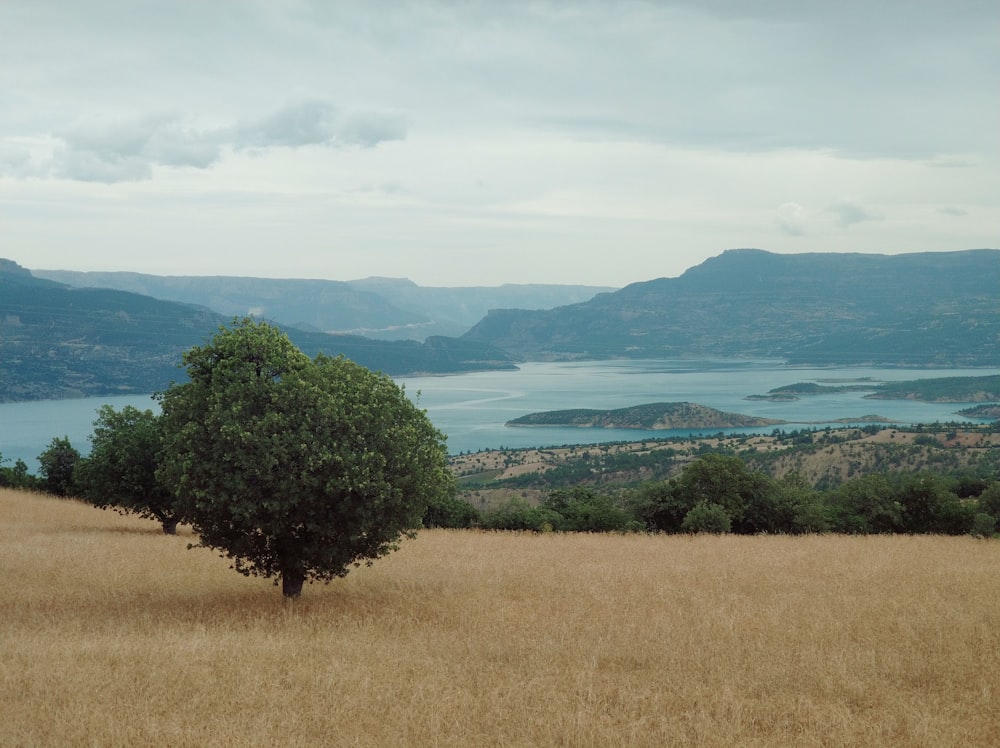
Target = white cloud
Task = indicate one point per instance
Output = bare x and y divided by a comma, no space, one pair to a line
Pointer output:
122,151
791,219
850,213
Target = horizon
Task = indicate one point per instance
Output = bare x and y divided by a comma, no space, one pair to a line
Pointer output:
592,144
486,285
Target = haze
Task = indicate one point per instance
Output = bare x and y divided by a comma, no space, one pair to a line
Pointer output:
483,143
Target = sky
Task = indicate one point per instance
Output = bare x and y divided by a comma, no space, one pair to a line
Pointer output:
478,143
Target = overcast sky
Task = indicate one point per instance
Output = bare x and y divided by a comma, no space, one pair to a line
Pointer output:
478,143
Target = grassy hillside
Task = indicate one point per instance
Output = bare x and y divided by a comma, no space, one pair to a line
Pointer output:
114,634
823,458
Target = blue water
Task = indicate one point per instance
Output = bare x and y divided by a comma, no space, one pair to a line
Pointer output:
473,408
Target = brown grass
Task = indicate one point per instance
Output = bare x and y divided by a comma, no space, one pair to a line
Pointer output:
112,634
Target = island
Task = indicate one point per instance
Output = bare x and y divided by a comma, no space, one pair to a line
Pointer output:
942,390
986,411
649,417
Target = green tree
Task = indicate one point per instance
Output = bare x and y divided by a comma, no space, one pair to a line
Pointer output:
727,481
584,510
451,512
16,476
863,505
56,465
120,471
295,467
929,507
707,517
989,500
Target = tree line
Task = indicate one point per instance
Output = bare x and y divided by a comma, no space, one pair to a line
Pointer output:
722,493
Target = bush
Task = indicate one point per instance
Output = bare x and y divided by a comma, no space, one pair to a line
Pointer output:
451,512
983,525
706,517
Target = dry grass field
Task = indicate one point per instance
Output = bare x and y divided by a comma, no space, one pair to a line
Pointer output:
113,634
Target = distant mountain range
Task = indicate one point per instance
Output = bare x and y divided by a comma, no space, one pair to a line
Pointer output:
928,309
922,309
378,308
58,341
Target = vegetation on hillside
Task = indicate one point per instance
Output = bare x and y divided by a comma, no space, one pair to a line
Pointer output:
800,478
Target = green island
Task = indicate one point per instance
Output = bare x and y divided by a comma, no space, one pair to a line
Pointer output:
942,390
936,390
649,416
987,410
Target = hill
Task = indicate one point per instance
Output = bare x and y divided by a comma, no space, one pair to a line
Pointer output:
378,308
58,341
923,309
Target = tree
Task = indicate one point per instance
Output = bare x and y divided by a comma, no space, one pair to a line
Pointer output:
584,510
56,465
727,481
707,517
293,467
866,504
120,471
17,476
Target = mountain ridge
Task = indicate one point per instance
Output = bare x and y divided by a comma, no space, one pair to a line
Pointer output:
920,309
377,307
57,341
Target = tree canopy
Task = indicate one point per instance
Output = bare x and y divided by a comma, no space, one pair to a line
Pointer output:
294,467
120,471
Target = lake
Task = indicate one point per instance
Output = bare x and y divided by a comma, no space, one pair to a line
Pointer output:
473,408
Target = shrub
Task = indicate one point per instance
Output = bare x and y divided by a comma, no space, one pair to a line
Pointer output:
706,517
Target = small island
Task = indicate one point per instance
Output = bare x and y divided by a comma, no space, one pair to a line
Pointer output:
649,417
985,411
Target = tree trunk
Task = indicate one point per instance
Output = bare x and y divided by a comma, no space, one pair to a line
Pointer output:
291,583
169,526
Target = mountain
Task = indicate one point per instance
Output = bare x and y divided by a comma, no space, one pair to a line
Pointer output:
59,341
924,309
382,308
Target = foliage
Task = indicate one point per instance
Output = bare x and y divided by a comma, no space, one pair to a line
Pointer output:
518,514
584,510
120,471
452,512
727,481
56,466
707,517
296,467
16,476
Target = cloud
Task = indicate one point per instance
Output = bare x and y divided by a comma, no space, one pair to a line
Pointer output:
951,210
849,213
127,151
791,219
317,122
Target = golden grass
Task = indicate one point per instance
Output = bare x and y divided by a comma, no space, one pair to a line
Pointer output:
112,634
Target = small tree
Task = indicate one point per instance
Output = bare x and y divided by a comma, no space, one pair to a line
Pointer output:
56,465
707,517
295,467
17,476
120,471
